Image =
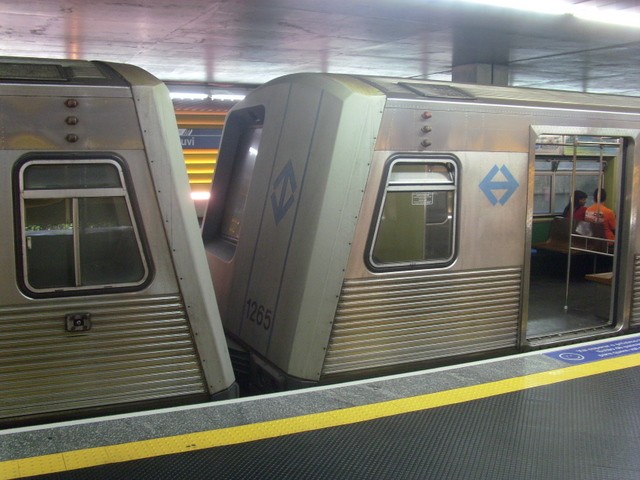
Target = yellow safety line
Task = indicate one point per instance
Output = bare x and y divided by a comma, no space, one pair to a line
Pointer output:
90,457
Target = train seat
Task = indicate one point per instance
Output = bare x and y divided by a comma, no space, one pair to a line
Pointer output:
558,240
587,236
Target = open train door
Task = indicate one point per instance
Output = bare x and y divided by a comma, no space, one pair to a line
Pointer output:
574,264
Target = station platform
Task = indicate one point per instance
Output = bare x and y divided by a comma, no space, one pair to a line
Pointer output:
566,413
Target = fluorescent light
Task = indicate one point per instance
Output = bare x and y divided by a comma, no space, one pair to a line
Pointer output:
552,7
557,7
204,96
200,195
232,97
614,17
187,96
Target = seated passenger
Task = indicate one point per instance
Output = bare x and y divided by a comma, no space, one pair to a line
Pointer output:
579,208
599,213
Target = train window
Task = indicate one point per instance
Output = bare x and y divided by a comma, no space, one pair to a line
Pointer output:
567,162
239,183
415,224
78,230
553,182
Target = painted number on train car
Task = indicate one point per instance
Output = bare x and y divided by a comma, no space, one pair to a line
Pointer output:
259,314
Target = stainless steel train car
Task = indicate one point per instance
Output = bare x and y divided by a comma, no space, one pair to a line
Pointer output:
364,225
106,302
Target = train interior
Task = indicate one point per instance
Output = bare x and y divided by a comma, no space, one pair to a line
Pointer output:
572,265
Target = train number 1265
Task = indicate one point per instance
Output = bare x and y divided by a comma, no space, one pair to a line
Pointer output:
259,314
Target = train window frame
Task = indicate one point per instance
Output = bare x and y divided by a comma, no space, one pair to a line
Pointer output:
421,187
84,249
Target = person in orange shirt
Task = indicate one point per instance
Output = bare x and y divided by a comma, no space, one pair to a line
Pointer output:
599,213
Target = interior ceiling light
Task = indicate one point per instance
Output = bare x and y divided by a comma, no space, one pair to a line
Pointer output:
557,7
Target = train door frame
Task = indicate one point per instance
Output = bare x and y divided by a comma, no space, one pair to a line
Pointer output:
621,292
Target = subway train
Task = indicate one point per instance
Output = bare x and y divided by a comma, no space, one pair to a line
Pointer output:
364,225
106,302
357,226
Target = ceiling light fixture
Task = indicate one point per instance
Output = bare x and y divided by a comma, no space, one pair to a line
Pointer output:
624,18
205,96
557,7
187,96
552,7
230,97
200,195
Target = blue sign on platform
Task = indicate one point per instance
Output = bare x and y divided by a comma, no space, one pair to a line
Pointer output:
601,351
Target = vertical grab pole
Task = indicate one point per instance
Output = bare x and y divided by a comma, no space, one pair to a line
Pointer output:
75,215
571,207
600,185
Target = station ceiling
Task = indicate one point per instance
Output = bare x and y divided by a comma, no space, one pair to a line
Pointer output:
248,42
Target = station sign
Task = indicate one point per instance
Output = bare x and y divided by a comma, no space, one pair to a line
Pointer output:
200,138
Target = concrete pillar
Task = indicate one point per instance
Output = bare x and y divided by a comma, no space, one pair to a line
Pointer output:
481,73
480,55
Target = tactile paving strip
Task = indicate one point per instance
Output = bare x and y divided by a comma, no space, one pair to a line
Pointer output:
587,428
